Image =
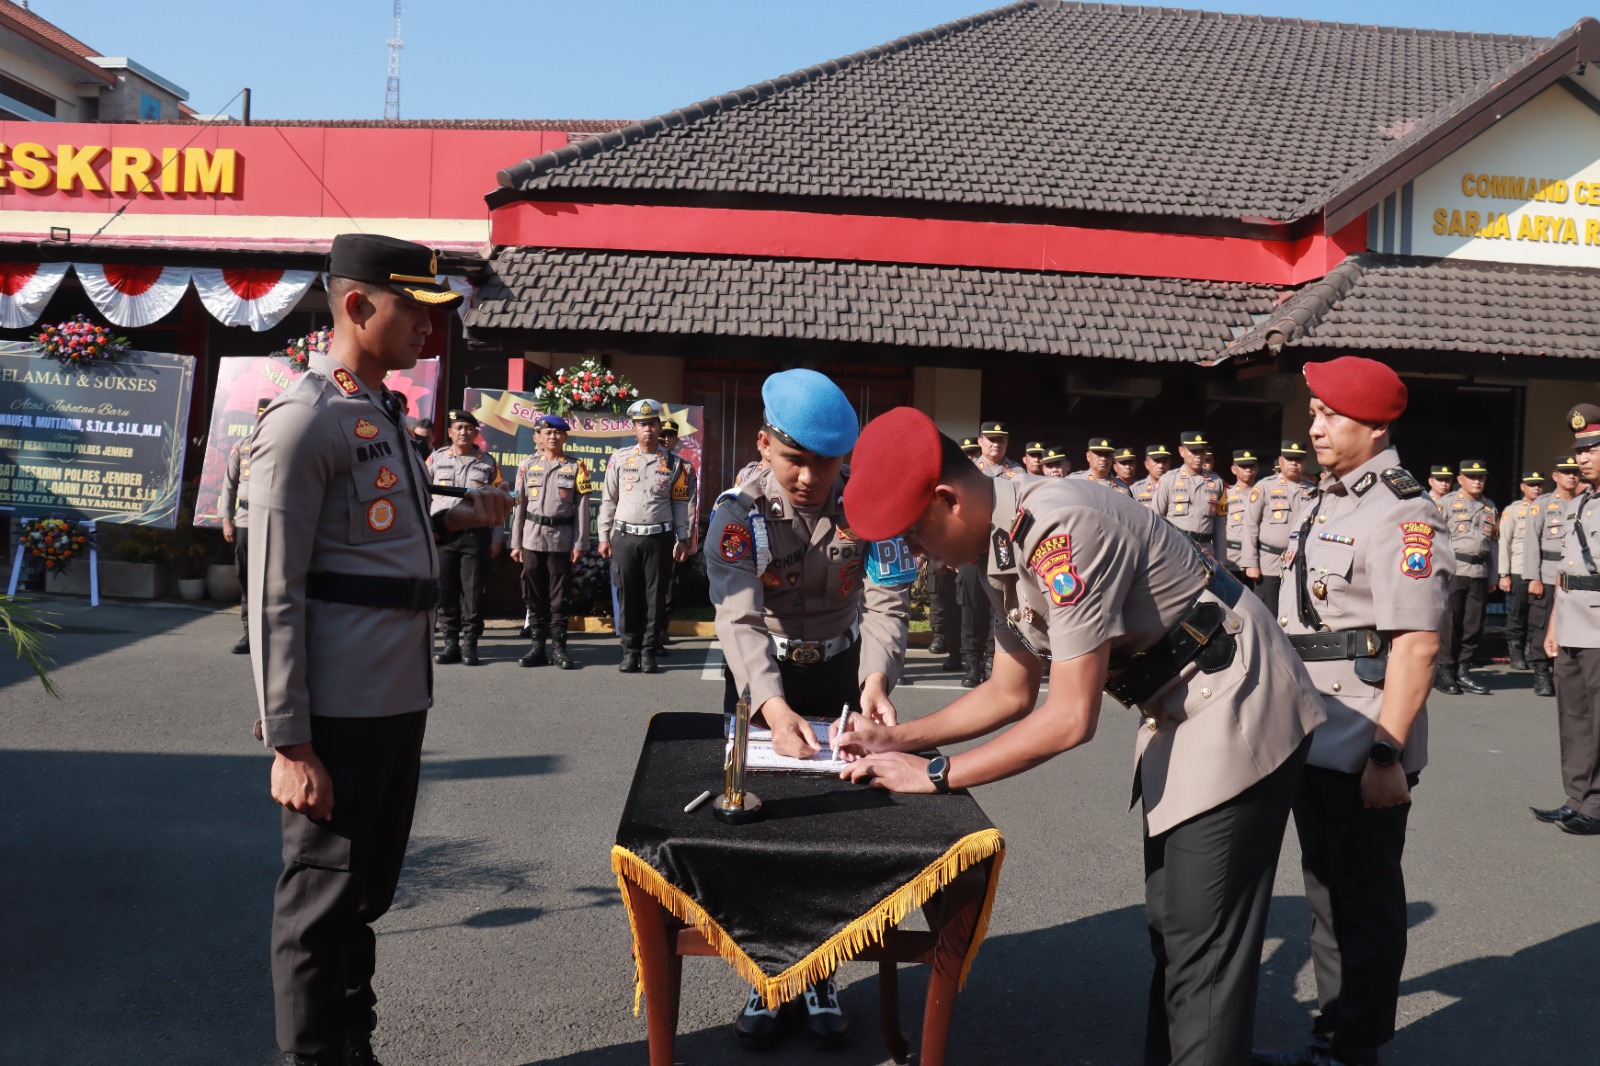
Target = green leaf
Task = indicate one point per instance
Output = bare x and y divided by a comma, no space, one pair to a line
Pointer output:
23,625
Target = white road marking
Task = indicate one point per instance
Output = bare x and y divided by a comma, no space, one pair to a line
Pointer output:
712,671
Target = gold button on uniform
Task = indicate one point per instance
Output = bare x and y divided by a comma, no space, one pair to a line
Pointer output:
1205,693
1338,687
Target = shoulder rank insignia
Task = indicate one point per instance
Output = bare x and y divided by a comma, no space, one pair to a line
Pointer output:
1020,527
1401,483
346,381
1365,482
1004,557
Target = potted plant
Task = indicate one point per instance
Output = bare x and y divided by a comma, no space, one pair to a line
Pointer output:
138,565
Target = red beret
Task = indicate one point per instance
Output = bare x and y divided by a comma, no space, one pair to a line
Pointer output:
893,472
1363,389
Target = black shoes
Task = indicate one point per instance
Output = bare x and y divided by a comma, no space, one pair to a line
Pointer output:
936,645
1467,682
1518,661
241,646
756,1026
451,654
661,651
825,1019
1557,814
1580,825
469,653
952,663
630,662
648,662
558,654
974,676
536,655
1544,683
1444,680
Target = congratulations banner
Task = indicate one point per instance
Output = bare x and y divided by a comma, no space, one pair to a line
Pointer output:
244,380
506,432
103,444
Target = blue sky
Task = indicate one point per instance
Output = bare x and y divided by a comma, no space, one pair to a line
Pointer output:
576,58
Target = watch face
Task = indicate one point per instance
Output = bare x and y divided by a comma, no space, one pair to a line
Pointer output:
937,767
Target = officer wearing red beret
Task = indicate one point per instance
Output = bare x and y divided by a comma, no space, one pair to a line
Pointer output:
1363,601
1109,597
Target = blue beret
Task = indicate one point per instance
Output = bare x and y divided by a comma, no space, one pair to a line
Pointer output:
553,422
811,411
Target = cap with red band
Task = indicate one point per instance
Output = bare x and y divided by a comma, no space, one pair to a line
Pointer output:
1584,420
1363,389
893,472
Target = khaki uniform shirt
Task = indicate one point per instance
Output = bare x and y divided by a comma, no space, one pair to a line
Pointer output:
1577,614
556,489
335,488
813,586
1474,527
1383,563
1269,519
1521,536
1235,529
1095,568
1113,482
1552,535
1144,490
471,471
1195,504
646,490
1004,468
236,485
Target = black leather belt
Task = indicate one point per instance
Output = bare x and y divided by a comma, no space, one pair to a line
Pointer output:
1344,644
1233,544
1199,637
1198,538
541,520
1472,558
1579,584
1550,557
361,590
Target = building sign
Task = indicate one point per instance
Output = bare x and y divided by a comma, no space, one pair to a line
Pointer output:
104,444
125,169
244,380
1527,190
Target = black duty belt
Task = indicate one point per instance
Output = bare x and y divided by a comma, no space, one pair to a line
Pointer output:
361,590
1344,644
541,520
1472,558
1579,584
1198,538
1199,637
1550,557
1233,544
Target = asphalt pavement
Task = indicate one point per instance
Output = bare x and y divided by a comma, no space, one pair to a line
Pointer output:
141,847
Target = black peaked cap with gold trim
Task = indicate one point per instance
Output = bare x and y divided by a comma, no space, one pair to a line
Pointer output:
409,269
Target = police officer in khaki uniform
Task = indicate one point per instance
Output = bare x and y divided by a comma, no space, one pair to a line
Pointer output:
644,528
344,573
235,510
1473,522
1268,520
1241,494
1125,464
669,443
977,645
803,626
1056,463
1441,484
1369,563
1097,466
464,556
944,607
1564,474
1520,545
549,533
1192,498
1110,599
1573,639
1033,457
1157,461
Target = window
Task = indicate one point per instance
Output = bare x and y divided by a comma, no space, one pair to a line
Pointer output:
149,108
27,94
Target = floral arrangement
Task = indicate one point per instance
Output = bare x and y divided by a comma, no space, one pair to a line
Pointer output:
55,540
299,352
585,387
79,343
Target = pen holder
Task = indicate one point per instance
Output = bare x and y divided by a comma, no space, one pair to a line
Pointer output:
736,805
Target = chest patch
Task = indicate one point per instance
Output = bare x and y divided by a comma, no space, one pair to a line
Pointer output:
386,478
1416,560
1052,561
380,515
365,430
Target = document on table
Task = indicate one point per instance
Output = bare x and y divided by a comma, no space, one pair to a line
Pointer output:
762,757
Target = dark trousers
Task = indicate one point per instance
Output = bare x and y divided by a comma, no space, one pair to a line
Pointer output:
816,691
241,561
640,569
1527,618
1356,890
1268,590
1207,884
463,575
339,877
1463,621
976,635
944,611
544,589
1577,674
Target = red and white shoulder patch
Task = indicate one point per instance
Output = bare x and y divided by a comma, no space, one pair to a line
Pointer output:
346,381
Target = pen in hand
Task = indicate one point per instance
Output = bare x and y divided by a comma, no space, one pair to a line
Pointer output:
844,723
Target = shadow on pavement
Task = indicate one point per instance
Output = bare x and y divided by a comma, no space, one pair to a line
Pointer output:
483,769
95,631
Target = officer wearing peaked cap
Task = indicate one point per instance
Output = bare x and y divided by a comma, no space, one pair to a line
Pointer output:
1033,457
465,556
1568,480
1473,521
977,645
1243,559
644,529
1573,639
1269,516
1056,463
1194,499
1098,466
1441,483
1519,549
804,623
1157,461
1125,464
549,533
343,579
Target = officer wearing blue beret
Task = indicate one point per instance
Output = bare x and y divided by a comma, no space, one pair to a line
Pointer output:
806,623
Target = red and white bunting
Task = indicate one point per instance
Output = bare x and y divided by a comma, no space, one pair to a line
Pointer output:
25,288
133,295
256,298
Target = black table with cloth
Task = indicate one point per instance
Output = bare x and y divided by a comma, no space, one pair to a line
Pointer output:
823,878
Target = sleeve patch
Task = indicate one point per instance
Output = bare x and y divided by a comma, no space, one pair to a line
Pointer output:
1052,561
1416,560
585,486
735,542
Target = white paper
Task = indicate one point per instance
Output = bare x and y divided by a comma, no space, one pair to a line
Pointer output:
760,755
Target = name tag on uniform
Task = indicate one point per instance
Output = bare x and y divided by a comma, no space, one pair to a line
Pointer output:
891,563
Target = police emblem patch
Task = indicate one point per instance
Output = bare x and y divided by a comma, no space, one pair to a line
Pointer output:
1577,421
386,478
1052,561
1416,558
380,515
346,381
850,578
735,543
771,580
365,430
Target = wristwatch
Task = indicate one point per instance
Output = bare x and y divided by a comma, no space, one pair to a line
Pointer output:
1384,753
938,773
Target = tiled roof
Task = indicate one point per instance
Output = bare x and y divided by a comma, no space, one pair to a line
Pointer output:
21,16
533,291
1046,106
1390,302
563,125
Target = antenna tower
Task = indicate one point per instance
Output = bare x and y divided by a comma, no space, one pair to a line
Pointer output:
391,95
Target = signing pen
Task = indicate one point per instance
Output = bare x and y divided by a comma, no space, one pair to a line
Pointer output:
844,723
697,801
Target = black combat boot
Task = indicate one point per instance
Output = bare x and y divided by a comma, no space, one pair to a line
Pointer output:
1544,683
451,652
1444,680
558,652
936,645
647,662
536,655
630,661
469,652
974,675
1469,683
242,645
1518,660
